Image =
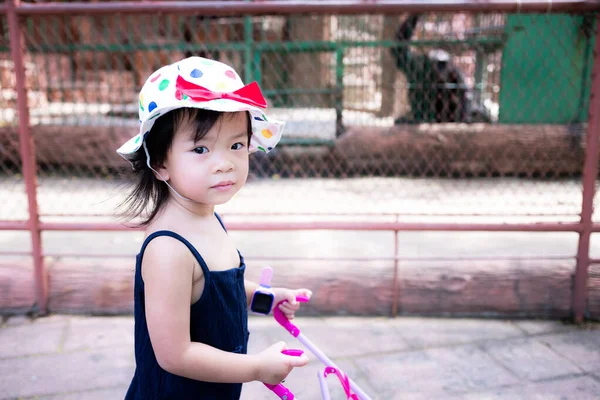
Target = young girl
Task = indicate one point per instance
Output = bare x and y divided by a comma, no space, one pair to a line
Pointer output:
198,125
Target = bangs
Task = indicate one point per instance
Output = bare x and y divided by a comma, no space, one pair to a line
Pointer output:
199,121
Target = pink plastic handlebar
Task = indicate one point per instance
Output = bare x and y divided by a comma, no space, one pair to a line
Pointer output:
293,352
343,380
281,391
282,319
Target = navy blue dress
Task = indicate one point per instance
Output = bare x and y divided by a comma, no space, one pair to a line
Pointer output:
219,319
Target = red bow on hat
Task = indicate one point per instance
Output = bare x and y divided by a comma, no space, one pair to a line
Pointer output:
249,94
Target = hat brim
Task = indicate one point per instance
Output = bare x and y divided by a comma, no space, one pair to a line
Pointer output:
266,133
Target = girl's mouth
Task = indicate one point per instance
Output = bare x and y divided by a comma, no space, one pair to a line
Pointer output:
223,186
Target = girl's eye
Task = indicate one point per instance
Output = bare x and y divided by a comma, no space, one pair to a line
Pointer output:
200,150
238,146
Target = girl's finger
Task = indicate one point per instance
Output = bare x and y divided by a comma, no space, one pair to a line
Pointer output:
291,306
290,296
304,292
287,310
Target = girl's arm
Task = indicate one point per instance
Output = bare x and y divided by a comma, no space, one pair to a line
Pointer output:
167,270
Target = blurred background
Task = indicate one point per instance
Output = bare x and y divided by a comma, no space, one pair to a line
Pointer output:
437,161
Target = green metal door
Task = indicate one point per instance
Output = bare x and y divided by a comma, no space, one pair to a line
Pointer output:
546,66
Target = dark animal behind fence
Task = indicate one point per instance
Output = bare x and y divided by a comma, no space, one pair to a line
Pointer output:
436,87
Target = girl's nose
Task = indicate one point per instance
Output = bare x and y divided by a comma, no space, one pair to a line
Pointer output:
223,164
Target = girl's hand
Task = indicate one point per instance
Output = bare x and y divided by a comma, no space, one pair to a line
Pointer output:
273,366
291,306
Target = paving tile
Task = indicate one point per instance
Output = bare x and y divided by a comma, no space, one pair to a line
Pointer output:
435,372
32,337
401,358
65,373
405,374
576,388
473,368
17,320
98,332
51,318
582,347
424,396
543,327
430,332
101,394
530,359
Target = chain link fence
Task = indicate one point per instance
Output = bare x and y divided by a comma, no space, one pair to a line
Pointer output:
451,117
12,187
428,115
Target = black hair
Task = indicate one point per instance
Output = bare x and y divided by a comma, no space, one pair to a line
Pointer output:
150,194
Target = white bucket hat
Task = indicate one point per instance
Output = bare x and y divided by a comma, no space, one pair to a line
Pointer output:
198,82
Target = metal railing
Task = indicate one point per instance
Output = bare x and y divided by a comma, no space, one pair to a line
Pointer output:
253,51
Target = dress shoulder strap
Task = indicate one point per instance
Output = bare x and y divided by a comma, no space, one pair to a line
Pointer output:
177,236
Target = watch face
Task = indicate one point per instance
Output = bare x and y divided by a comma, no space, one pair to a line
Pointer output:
261,303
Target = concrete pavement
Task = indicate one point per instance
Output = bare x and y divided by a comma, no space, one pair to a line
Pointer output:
91,358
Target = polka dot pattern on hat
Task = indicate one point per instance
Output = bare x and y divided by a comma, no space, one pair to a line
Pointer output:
160,94
163,84
267,133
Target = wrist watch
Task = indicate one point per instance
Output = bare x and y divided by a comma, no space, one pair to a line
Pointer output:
263,297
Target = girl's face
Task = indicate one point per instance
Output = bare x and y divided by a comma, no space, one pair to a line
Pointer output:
212,170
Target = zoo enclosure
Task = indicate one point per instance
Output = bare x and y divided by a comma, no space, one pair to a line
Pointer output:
47,67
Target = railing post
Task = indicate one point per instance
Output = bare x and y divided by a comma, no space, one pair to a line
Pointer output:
339,90
590,173
395,287
27,150
249,50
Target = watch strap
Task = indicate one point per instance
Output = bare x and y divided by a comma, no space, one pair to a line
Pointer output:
265,277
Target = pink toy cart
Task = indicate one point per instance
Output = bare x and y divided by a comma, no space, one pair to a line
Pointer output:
353,392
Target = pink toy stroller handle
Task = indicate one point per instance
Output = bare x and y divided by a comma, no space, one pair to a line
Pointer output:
293,352
279,389
282,319
343,380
